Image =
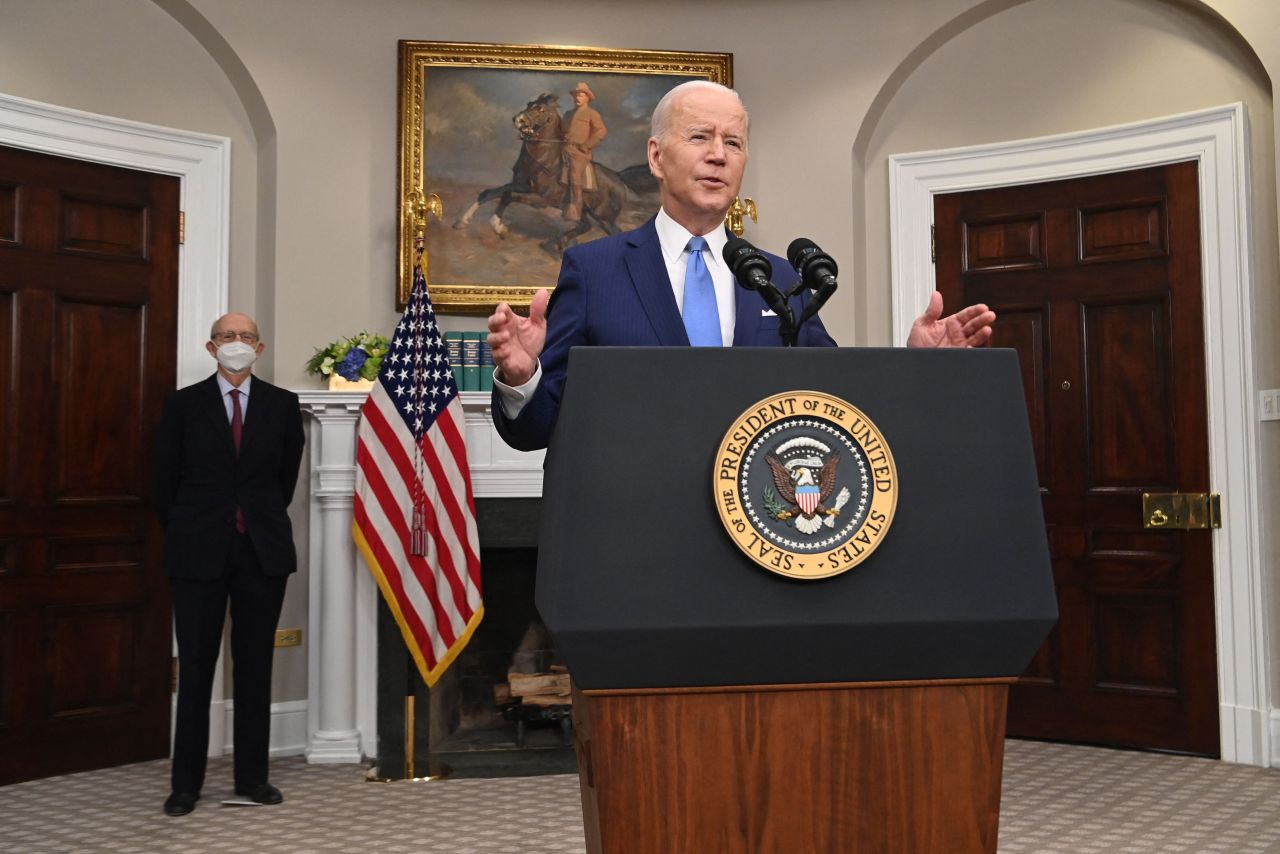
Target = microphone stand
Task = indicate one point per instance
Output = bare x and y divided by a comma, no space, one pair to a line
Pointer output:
787,329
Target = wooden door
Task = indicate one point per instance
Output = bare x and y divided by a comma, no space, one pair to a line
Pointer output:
1096,282
88,319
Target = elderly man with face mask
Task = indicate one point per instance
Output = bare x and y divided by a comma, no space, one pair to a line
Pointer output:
665,284
226,461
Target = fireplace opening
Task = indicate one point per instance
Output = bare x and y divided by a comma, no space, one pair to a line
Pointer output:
512,690
503,707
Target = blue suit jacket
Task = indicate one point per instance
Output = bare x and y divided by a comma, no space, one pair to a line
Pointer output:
615,292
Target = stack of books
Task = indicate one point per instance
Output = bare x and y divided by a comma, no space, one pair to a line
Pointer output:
471,360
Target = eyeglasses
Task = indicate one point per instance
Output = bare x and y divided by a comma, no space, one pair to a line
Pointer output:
228,337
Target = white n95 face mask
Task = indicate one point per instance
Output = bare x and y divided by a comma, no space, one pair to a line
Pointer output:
236,356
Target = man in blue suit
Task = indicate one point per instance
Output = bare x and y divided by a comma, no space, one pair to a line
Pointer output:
653,286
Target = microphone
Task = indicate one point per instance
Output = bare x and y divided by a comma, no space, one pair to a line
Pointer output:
752,270
815,267
817,272
747,263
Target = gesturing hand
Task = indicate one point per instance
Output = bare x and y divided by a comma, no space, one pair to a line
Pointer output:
969,327
517,341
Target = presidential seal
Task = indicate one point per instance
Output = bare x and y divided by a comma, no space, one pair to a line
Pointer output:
805,485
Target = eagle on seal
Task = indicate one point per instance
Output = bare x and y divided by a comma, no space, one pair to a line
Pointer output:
806,490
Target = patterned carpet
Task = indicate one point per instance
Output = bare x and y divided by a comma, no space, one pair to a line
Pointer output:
1057,798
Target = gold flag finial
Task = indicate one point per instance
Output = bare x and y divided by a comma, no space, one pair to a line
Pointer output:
740,208
420,206
417,207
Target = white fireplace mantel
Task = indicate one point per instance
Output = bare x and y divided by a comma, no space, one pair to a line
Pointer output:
342,606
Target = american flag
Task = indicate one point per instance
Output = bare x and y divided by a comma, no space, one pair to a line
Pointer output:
415,515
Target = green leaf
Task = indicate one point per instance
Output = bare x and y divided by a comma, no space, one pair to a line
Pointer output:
772,504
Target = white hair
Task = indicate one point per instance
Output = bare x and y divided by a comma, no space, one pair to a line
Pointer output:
658,125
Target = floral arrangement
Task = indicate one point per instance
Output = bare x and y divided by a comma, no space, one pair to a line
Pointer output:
354,358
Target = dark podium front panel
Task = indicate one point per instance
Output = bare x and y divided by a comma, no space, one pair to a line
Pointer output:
642,587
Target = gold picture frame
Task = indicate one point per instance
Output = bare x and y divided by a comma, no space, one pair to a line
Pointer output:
458,138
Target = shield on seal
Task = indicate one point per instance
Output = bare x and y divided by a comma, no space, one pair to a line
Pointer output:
807,497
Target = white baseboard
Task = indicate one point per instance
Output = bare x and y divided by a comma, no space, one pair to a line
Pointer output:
1274,725
288,727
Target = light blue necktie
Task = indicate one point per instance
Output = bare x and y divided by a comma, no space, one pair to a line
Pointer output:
701,317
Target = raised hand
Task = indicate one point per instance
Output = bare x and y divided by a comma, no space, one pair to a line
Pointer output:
969,327
517,341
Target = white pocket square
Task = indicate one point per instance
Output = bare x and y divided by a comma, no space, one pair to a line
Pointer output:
768,312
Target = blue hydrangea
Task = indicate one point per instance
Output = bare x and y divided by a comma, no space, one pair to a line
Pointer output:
349,367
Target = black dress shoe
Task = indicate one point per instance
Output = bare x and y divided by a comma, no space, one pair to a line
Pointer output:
261,793
180,803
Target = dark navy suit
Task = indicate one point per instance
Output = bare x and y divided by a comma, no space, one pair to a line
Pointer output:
200,480
615,292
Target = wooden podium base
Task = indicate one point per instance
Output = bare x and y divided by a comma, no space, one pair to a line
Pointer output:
839,768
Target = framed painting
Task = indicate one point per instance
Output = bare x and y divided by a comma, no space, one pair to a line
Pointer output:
529,149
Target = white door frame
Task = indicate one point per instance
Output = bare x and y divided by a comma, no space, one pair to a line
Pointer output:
202,163
1217,140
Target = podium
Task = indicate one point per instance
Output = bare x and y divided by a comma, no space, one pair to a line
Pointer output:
720,707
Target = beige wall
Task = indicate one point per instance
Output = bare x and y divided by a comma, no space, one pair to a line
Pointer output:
306,89
128,59
1063,67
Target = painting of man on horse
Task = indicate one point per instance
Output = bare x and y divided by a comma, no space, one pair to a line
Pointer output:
503,149
544,176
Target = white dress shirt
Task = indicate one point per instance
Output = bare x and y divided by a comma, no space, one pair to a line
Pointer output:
225,387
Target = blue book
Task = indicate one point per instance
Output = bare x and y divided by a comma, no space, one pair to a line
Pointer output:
470,361
486,366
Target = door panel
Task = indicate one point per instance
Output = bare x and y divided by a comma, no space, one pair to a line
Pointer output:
1128,361
101,228
8,213
99,403
8,412
88,320
93,655
1001,245
1023,329
1096,282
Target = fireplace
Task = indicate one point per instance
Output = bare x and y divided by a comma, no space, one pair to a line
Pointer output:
469,721
358,671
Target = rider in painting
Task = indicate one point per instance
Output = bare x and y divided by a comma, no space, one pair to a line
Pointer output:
585,130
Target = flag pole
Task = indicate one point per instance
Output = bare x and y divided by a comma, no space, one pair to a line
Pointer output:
435,770
409,759
419,205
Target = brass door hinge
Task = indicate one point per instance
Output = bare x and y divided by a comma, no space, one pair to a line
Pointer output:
933,243
1181,510
182,227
